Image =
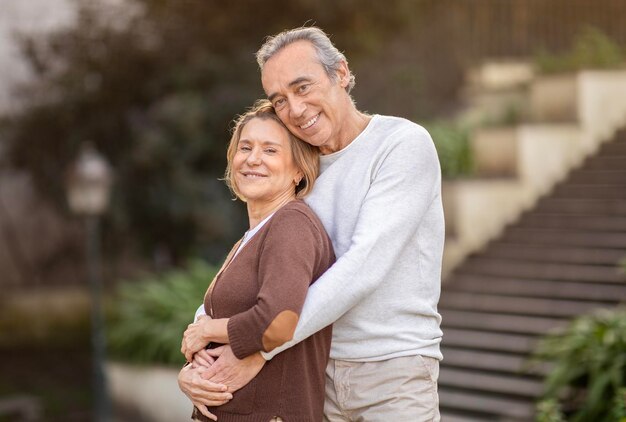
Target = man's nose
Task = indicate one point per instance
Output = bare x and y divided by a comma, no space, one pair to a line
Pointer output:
297,107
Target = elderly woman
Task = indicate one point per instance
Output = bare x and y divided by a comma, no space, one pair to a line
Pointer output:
255,300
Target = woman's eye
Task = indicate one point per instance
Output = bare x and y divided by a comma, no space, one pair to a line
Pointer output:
270,150
244,148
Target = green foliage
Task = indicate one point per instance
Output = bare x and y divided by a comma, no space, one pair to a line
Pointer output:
548,410
618,413
148,317
592,49
452,143
589,373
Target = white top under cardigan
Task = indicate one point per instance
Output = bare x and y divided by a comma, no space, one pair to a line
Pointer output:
246,237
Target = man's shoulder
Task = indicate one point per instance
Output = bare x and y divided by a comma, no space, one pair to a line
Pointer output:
400,130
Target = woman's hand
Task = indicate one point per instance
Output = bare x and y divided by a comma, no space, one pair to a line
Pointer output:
202,359
201,392
196,337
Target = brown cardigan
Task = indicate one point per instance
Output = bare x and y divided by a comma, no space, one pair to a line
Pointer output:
262,291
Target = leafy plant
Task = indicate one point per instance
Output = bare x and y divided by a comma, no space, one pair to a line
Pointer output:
589,376
592,49
149,316
548,410
452,143
619,406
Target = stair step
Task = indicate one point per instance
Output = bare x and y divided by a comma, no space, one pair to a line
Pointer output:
613,148
536,220
602,162
615,207
516,305
543,270
604,177
510,363
537,288
491,383
474,339
620,136
565,255
500,322
591,191
464,400
565,238
558,261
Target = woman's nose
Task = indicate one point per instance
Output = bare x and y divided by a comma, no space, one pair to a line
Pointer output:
254,158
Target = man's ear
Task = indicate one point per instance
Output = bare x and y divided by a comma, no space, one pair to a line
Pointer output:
343,73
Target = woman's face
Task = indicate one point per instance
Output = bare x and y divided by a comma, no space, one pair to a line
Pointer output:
263,166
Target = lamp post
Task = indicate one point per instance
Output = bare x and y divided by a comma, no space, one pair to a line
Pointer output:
88,188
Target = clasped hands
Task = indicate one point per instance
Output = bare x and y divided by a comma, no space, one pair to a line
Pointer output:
197,335
214,374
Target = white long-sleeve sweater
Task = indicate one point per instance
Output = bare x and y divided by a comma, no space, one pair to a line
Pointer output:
380,201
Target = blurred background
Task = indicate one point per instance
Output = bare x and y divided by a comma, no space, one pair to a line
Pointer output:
153,85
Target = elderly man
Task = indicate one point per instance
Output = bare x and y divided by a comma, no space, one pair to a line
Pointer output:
379,199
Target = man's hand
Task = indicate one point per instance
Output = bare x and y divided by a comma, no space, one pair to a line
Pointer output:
231,371
194,338
202,392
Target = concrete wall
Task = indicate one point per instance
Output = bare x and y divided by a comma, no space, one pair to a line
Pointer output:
151,392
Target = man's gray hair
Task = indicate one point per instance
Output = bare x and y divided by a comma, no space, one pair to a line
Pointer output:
328,55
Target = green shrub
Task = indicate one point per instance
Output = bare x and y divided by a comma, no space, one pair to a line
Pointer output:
453,148
149,316
589,374
618,412
548,410
592,49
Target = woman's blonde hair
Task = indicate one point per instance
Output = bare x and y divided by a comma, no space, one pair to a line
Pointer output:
305,156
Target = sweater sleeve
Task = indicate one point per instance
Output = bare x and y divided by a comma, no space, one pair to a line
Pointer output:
407,181
288,259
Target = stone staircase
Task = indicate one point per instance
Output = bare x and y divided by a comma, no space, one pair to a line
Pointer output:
557,261
564,119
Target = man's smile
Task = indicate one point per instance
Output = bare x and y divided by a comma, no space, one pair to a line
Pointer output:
310,122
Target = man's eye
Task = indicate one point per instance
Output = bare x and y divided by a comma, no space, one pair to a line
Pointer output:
303,88
279,103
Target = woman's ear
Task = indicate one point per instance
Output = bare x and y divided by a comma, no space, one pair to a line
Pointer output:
298,178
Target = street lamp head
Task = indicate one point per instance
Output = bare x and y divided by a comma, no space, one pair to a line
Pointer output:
89,182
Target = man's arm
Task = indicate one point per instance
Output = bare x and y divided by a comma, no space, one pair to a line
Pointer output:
199,312
404,187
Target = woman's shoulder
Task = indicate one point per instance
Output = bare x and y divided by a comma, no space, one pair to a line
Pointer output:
298,215
296,209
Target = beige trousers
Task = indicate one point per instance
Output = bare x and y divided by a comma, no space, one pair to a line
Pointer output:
398,389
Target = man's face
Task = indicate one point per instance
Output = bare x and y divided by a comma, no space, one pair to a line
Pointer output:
310,104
